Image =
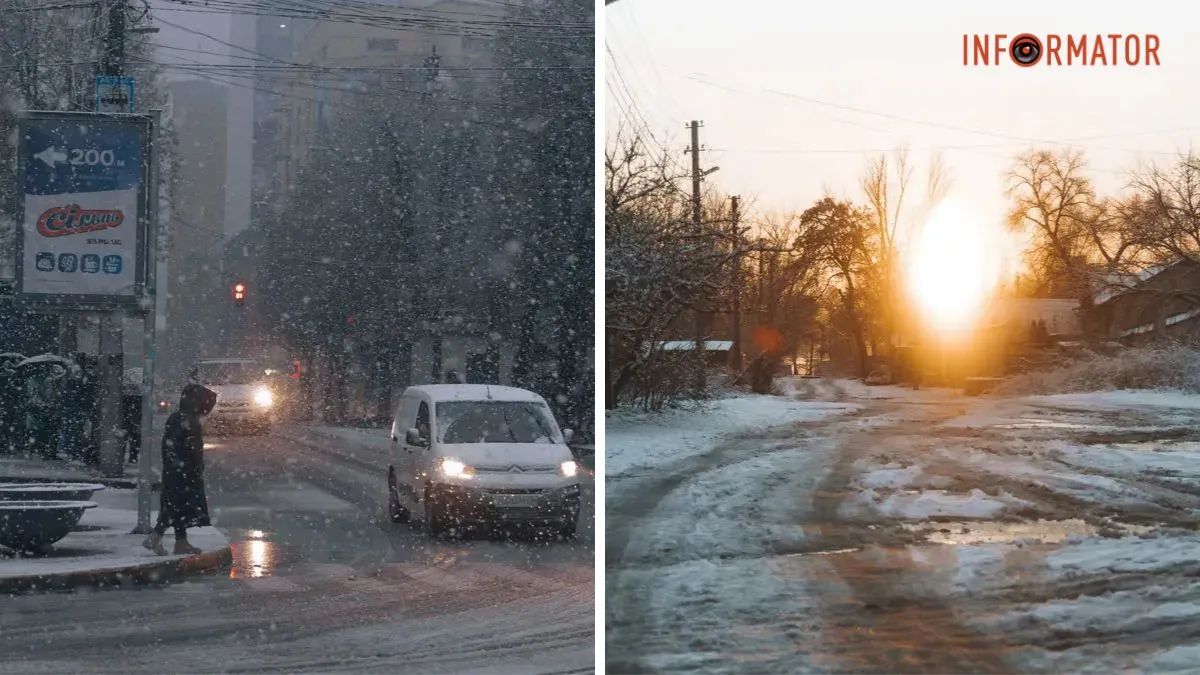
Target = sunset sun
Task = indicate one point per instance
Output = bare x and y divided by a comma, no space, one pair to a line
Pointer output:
952,264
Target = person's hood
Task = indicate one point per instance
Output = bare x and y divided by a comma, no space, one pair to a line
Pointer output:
197,399
503,456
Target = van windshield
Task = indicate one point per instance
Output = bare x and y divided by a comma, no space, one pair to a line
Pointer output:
495,422
230,373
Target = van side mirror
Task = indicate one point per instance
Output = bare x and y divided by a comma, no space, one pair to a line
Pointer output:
568,435
413,437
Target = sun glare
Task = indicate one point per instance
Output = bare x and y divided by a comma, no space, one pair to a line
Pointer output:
952,264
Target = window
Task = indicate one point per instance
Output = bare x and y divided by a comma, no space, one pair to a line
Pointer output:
423,420
495,422
382,45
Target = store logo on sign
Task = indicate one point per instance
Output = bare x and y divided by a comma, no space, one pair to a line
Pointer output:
63,220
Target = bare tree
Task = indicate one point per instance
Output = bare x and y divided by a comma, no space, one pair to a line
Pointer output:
1053,198
658,269
1172,199
886,184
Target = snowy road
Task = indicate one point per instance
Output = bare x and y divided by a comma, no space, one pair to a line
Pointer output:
916,532
323,582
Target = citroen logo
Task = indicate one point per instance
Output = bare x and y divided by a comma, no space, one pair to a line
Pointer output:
515,469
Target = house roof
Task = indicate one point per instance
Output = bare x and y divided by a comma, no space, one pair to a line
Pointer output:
689,345
1113,282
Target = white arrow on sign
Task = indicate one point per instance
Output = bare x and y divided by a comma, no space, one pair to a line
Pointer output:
51,156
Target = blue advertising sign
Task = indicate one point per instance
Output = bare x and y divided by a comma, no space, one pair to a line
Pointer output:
114,94
84,219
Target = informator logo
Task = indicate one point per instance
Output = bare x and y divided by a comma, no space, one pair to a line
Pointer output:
44,262
112,264
68,262
1057,49
89,263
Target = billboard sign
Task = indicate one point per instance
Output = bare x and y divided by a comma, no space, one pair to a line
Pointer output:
82,240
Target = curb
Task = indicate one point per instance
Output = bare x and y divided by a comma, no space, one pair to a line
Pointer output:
152,572
119,483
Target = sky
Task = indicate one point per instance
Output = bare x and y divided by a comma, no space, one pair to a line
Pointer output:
887,75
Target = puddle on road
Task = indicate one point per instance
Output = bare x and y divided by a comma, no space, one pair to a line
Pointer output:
255,556
991,532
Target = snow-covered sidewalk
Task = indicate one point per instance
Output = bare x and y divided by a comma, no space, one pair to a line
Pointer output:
640,440
21,469
101,551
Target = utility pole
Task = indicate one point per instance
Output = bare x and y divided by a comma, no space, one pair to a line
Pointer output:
696,175
698,318
114,40
736,361
112,342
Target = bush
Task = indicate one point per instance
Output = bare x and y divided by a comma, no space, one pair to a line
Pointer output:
1169,366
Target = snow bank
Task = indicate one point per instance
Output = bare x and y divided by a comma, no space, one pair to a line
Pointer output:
919,505
1120,400
1168,367
1178,659
891,475
1126,555
1162,458
640,439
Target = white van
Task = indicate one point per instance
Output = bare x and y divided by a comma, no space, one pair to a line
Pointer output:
477,453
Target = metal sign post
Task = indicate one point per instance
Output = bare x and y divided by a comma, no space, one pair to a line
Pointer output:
149,329
82,242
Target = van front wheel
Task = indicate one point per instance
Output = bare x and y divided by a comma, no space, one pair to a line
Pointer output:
396,512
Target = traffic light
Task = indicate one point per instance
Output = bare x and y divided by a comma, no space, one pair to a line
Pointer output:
239,293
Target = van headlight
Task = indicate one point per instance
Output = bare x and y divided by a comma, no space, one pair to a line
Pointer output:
452,468
568,468
263,397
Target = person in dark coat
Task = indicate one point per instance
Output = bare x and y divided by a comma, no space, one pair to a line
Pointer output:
183,503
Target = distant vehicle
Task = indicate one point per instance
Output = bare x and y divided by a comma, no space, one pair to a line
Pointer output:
244,396
476,454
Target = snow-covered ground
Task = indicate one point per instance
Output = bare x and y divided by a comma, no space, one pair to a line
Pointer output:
926,531
640,440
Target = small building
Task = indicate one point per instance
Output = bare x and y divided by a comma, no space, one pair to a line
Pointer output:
716,352
1162,303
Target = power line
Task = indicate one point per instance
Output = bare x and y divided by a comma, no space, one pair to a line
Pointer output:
44,8
264,65
910,120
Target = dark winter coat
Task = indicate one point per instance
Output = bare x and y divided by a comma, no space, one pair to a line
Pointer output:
184,503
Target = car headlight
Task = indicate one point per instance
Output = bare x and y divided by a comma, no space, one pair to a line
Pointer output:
568,468
452,468
263,398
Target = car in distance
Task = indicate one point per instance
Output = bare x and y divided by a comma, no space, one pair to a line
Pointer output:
245,400
468,454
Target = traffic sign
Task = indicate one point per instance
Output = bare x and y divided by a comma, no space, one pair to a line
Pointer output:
82,240
114,94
